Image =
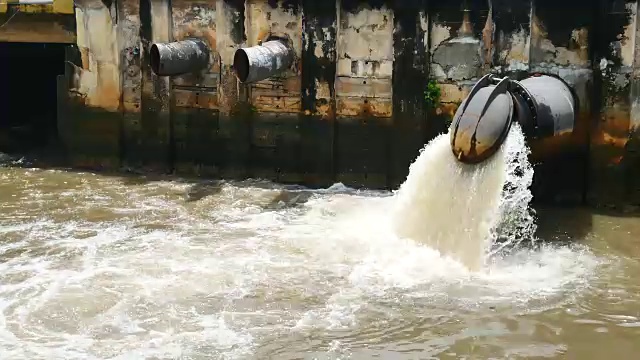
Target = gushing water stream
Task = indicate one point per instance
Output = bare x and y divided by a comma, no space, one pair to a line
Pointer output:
457,209
99,267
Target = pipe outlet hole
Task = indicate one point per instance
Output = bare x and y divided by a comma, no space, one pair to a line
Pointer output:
241,65
154,59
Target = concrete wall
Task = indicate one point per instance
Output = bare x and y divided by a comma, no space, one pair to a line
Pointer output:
351,108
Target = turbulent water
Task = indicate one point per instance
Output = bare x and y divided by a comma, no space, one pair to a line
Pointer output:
460,210
100,267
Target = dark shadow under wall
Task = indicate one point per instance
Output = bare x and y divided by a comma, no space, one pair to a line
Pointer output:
28,95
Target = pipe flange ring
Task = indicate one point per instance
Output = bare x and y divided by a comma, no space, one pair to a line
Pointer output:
528,99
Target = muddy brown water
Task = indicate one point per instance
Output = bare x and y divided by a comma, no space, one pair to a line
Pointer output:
107,267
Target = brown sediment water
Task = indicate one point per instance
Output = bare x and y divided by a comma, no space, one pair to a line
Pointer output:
449,266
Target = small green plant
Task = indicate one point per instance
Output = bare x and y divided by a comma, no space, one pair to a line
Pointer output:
432,94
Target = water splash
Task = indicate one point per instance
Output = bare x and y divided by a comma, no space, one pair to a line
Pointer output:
517,219
462,210
100,267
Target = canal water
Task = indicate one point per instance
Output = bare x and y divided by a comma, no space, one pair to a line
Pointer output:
451,266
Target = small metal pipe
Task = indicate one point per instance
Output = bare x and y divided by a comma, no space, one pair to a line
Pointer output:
260,62
179,57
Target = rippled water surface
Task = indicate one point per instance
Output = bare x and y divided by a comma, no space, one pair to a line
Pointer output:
105,267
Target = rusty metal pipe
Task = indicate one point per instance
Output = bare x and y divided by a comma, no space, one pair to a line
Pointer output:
260,62
553,110
544,107
179,57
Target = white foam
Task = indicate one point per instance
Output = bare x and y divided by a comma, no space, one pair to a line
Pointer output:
226,276
457,209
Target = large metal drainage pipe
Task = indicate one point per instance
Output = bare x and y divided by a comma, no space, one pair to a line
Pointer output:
553,110
179,57
544,107
261,62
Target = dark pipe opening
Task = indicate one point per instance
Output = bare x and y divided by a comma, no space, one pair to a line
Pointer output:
241,65
28,95
154,59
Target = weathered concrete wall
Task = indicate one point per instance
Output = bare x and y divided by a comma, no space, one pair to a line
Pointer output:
352,106
614,162
571,40
89,118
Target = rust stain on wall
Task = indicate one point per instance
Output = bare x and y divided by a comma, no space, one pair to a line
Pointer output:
274,95
615,68
365,97
194,18
451,96
273,18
